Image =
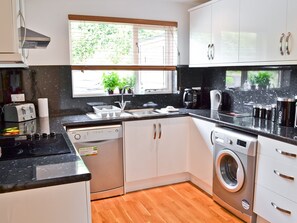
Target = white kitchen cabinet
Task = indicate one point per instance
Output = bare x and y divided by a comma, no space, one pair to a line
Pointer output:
55,204
10,21
201,153
275,189
156,147
267,28
214,33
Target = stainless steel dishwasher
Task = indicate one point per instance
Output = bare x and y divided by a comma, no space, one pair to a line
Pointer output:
101,148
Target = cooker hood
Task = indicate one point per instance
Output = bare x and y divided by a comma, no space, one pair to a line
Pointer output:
33,40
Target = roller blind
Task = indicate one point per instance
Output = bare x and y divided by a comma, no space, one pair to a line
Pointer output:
124,44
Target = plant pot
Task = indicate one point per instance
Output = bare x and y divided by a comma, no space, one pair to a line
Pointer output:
253,87
129,91
110,91
121,90
262,87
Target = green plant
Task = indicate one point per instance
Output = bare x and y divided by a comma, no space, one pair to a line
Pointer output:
110,81
252,79
123,82
263,78
131,81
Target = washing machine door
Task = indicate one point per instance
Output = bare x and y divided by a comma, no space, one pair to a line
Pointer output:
229,170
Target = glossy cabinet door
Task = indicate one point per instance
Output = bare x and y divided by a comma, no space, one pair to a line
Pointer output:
225,31
172,145
262,25
8,27
155,147
291,33
140,138
54,204
200,35
201,152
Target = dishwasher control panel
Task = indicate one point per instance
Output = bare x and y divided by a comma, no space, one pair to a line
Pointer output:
97,133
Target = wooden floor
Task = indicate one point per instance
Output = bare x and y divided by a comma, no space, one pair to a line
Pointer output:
175,203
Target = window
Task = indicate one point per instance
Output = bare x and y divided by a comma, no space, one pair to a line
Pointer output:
256,79
142,50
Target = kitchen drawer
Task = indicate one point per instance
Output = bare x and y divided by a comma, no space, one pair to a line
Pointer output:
274,148
274,175
264,199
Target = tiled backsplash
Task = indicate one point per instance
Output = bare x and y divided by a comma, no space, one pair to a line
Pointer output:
54,83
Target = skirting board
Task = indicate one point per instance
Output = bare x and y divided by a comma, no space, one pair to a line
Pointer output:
166,180
156,182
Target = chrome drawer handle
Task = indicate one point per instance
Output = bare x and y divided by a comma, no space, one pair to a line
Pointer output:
280,209
281,44
283,175
285,153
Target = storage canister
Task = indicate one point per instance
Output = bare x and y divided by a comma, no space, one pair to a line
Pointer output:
286,111
256,111
262,111
273,112
268,112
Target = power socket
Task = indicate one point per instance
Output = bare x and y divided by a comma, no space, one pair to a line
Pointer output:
17,97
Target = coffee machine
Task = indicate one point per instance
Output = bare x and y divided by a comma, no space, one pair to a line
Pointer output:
192,97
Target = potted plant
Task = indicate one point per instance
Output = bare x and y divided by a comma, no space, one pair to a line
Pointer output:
122,83
263,79
131,81
110,81
252,81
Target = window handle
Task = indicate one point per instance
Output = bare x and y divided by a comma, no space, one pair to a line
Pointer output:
286,153
281,44
280,209
287,43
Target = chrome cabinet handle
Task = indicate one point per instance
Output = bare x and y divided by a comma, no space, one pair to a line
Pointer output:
25,27
212,51
280,209
160,131
287,43
286,153
208,50
211,134
283,175
155,131
281,44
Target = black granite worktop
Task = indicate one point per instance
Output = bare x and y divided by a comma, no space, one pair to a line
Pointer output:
21,174
29,173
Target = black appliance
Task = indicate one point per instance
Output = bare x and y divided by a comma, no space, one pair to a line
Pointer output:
192,97
286,111
35,145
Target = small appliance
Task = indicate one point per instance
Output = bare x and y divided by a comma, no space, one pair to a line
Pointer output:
17,112
286,111
215,99
192,97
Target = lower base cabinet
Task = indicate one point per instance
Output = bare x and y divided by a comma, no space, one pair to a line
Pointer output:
56,204
155,148
201,153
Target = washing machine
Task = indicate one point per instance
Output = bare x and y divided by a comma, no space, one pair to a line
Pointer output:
234,171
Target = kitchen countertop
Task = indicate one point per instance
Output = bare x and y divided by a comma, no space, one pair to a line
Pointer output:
21,174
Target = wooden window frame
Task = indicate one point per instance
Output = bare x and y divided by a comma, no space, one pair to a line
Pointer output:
72,17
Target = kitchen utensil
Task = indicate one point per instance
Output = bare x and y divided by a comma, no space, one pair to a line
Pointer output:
215,99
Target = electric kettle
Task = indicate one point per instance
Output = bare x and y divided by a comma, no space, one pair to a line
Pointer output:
215,99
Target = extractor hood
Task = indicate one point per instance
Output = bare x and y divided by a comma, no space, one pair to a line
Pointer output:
33,40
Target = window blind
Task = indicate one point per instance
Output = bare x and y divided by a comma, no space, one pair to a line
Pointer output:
108,43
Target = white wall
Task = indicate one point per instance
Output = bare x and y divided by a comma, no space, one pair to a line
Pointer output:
50,17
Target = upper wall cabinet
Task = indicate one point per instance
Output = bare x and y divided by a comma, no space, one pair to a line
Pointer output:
214,33
263,34
10,20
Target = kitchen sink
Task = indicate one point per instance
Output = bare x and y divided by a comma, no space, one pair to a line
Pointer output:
139,113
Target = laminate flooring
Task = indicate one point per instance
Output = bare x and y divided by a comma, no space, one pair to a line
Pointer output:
176,203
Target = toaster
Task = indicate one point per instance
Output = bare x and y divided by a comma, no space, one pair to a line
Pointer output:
17,112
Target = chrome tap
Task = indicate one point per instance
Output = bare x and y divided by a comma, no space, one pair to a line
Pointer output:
123,103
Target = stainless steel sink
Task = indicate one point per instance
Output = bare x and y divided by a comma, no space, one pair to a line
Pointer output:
139,113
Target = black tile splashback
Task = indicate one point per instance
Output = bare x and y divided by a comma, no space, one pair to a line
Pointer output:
54,83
